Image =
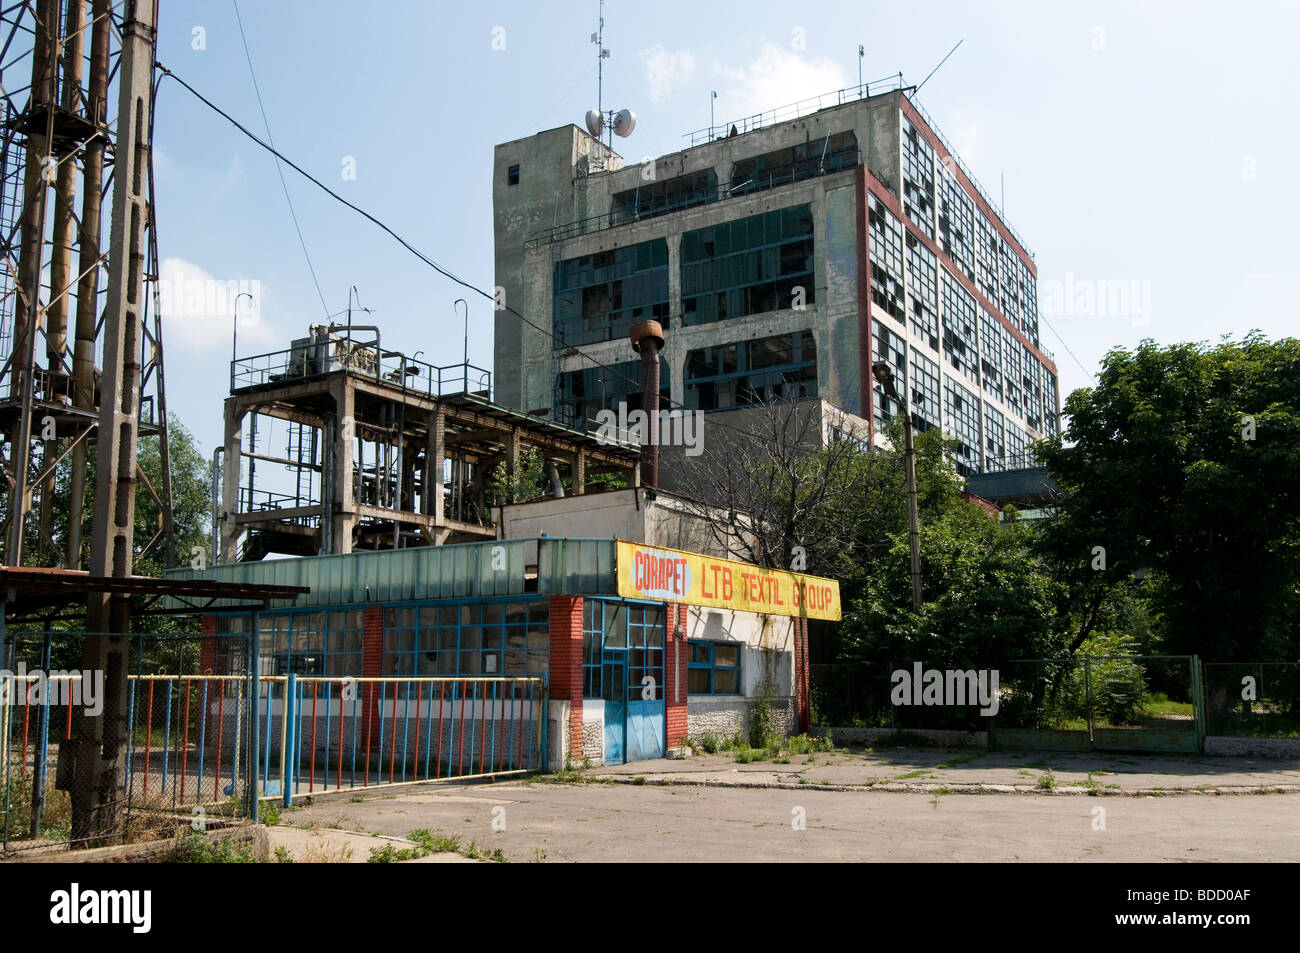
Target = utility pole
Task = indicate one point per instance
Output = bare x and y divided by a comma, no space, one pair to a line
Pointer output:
96,793
885,375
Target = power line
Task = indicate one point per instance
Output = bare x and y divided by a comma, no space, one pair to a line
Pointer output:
1067,348
265,122
402,241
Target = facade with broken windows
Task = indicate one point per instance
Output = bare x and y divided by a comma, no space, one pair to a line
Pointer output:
780,262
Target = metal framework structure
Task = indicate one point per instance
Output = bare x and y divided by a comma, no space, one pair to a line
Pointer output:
57,136
383,451
80,345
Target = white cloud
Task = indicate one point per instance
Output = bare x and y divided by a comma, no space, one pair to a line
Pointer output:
198,310
666,70
776,77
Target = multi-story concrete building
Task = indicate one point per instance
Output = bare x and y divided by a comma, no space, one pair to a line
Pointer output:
782,256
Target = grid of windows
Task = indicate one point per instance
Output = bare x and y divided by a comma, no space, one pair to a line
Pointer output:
925,391
714,668
1008,282
986,257
961,420
599,297
918,179
995,440
653,198
922,292
1033,390
794,163
1017,444
890,348
749,266
960,330
886,258
1012,370
1052,425
581,395
991,354
309,642
619,626
957,224
487,638
1028,303
749,372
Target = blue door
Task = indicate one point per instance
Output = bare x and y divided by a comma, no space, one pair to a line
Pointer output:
614,691
645,689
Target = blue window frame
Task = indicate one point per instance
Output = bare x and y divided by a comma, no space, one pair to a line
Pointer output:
467,638
307,642
634,627
714,668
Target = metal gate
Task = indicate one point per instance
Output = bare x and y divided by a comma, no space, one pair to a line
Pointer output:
1101,703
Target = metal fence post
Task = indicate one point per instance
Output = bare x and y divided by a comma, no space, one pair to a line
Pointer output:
545,705
289,736
1087,682
254,726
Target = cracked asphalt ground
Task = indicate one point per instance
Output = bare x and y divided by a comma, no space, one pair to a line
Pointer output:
547,821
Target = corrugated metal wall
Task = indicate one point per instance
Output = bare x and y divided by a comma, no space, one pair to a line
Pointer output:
469,570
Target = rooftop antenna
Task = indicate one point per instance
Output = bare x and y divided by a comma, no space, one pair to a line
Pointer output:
936,69
861,53
599,39
619,122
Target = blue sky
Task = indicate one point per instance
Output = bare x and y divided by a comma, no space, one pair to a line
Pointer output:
1151,143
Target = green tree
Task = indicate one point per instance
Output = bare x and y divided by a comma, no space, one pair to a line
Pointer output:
983,601
1181,475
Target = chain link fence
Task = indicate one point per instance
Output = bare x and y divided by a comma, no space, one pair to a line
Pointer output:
1130,702
1252,699
84,765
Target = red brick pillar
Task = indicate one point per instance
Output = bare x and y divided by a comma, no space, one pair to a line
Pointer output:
372,666
802,682
566,663
208,646
676,657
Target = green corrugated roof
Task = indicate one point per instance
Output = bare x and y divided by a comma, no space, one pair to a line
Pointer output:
466,570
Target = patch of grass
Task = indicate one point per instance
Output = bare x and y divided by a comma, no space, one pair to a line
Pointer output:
638,780
1041,762
194,848
538,856
327,855
953,762
282,855
707,742
474,852
355,799
1046,781
803,780
269,814
804,744
920,773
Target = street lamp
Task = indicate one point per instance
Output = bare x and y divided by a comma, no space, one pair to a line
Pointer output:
883,373
466,367
234,335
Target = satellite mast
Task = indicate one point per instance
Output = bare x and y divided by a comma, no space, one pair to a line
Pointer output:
618,122
602,54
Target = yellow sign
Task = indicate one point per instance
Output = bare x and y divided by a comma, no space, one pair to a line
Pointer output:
671,575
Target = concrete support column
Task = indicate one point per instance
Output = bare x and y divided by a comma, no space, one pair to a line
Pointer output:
579,475
434,456
342,505
230,464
